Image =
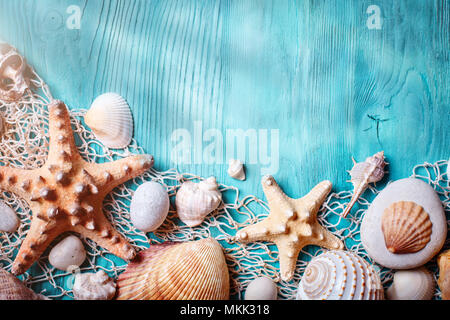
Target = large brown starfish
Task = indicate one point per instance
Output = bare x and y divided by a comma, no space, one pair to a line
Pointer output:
292,224
67,193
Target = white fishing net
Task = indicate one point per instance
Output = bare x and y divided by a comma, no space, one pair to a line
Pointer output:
24,144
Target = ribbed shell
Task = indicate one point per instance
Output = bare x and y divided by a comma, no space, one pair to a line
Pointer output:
444,274
94,286
416,284
111,120
12,288
194,270
406,227
339,275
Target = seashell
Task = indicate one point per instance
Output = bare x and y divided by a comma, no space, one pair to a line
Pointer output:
195,201
415,284
111,121
13,82
419,195
236,169
12,288
2,125
340,275
194,270
444,274
406,227
149,206
94,286
9,222
261,288
363,173
67,253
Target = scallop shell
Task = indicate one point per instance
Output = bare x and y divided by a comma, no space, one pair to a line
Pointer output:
340,275
406,227
444,274
110,119
194,270
236,169
9,222
12,288
94,286
363,173
416,284
13,82
194,201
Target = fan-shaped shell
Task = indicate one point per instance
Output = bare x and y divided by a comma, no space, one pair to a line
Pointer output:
194,270
195,201
94,286
339,275
12,288
444,274
415,284
111,120
406,227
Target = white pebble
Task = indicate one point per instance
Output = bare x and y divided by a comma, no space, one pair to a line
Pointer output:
8,219
67,253
261,288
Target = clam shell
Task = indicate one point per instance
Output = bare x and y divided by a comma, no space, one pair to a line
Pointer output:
406,227
416,284
194,201
12,288
9,222
339,275
236,169
111,120
94,286
194,270
444,274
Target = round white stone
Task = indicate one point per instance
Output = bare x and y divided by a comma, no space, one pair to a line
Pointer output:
67,253
9,222
372,237
149,206
261,288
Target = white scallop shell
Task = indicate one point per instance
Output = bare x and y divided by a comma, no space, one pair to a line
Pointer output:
9,222
67,253
416,284
236,169
340,275
261,288
195,201
149,206
111,120
94,286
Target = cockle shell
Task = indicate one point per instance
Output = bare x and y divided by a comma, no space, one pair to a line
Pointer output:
363,173
9,222
149,206
194,270
13,82
444,274
12,288
195,201
415,284
67,253
94,286
261,288
111,120
406,227
236,169
340,275
421,195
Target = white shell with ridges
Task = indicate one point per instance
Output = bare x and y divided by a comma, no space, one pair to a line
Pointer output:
195,201
339,275
67,253
9,222
261,288
149,206
236,169
416,284
111,120
94,286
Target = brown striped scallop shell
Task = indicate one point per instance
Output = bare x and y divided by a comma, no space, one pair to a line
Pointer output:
406,227
194,270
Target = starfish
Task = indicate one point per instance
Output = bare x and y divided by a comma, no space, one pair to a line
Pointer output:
66,194
292,224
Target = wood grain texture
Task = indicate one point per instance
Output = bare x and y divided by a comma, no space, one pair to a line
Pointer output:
311,69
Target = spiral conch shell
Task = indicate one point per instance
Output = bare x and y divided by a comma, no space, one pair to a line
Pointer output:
444,274
363,173
340,275
236,169
13,83
195,201
194,270
12,288
94,286
415,284
406,227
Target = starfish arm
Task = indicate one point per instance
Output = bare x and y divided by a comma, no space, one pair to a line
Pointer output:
316,197
17,181
276,198
257,232
324,238
288,255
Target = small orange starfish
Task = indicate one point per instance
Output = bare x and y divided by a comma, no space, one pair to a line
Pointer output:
292,224
67,193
